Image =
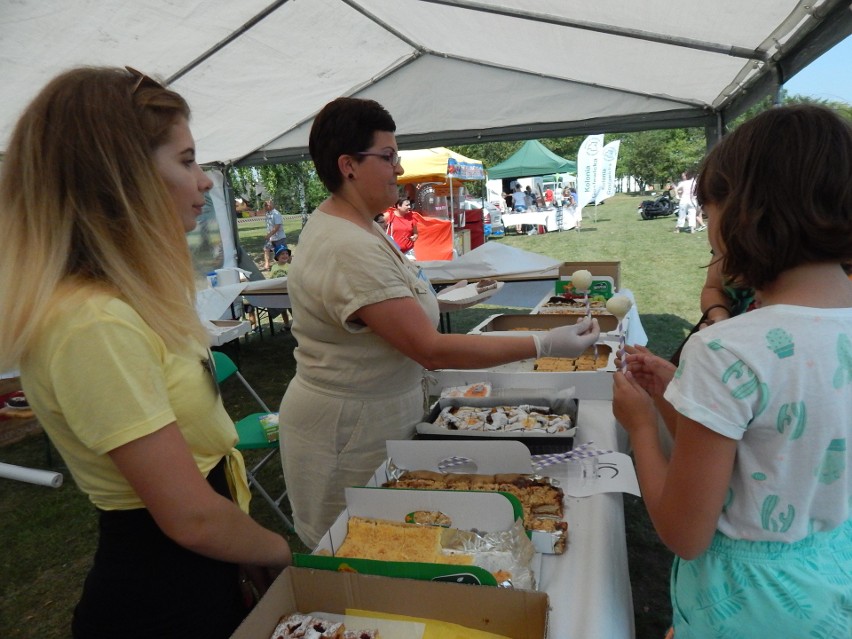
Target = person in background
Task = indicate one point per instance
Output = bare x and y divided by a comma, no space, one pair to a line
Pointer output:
685,190
570,204
275,235
755,498
282,257
548,197
519,200
529,198
720,301
402,227
364,319
114,359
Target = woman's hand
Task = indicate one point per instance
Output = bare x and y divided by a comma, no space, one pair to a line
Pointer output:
568,341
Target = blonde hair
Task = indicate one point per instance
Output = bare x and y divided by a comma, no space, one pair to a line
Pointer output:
82,207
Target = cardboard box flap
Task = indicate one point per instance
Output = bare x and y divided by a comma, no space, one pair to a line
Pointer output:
508,385
472,575
486,457
602,285
515,325
608,269
561,402
515,613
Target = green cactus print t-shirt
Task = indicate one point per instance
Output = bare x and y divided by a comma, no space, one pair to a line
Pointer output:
779,380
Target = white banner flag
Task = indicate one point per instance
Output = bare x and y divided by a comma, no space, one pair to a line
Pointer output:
588,169
606,186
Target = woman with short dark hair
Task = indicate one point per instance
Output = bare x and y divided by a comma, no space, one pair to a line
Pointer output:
365,321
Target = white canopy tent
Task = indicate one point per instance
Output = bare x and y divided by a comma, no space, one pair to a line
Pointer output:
450,71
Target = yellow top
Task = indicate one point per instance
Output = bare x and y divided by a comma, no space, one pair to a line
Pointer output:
98,377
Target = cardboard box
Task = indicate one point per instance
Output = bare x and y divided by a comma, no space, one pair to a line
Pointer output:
484,458
514,323
605,269
223,331
521,614
491,512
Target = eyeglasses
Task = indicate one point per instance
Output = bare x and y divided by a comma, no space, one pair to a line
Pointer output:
141,79
391,157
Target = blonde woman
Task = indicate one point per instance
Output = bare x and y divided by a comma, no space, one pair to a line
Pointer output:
100,177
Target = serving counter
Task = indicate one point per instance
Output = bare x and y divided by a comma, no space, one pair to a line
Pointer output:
588,585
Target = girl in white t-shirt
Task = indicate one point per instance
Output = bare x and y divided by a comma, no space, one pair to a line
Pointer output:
755,497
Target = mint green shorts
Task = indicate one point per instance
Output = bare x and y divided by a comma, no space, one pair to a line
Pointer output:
766,589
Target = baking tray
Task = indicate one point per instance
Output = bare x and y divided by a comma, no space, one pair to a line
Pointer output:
523,324
537,443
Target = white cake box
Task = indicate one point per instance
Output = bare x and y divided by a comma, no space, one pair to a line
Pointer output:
467,510
526,324
485,458
512,386
223,331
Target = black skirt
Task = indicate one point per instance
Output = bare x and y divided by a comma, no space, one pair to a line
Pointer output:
144,585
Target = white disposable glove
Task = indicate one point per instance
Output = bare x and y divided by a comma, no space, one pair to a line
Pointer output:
567,341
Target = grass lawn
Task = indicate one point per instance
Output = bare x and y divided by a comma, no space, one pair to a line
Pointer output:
49,534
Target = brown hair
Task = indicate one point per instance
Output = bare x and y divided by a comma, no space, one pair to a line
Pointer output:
345,126
782,183
82,205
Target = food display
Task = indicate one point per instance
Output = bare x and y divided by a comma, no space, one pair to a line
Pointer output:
575,305
398,541
581,279
619,305
505,554
519,419
480,389
299,626
541,499
486,285
591,359
18,402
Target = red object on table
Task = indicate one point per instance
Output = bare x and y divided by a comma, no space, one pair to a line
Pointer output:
473,222
434,238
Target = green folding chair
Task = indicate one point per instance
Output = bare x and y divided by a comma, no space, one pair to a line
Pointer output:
252,436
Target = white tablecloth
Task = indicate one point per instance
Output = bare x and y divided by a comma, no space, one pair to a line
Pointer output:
549,218
589,585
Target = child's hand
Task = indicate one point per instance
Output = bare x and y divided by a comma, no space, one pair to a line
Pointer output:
631,405
653,373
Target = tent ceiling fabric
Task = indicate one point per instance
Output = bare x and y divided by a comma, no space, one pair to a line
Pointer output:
256,72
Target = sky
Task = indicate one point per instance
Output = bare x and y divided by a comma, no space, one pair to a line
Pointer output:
829,77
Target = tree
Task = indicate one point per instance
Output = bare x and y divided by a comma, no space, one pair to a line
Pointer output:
489,153
295,187
651,157
655,157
